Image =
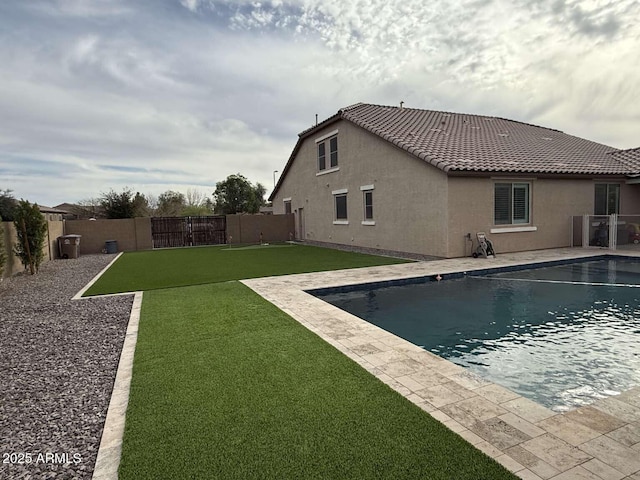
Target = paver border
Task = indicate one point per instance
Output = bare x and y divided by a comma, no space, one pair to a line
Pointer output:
80,294
110,450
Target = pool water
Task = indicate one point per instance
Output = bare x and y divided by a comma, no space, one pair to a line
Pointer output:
562,336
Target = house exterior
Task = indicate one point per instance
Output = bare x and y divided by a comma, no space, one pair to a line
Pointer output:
81,212
52,214
425,182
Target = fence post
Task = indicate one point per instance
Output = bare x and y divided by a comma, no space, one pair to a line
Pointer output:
613,231
585,231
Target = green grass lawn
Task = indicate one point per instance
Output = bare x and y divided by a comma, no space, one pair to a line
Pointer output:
150,270
225,385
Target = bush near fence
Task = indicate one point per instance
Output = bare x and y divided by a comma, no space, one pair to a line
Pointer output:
13,265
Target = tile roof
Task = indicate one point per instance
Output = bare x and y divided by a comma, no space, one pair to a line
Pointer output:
630,157
462,142
456,142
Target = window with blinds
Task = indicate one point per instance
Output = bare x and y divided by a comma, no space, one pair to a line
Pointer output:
511,203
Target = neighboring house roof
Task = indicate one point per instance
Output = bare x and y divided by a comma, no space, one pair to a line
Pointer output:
455,142
66,206
45,209
82,211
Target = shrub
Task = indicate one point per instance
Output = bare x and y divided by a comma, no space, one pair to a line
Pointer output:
31,230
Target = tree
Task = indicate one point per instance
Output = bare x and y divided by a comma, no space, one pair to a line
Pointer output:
237,195
198,203
140,205
88,208
123,205
7,205
170,204
152,204
3,253
31,229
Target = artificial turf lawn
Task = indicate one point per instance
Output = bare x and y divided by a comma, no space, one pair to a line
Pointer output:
151,270
225,385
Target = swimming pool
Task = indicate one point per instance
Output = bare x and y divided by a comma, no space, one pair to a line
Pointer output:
563,335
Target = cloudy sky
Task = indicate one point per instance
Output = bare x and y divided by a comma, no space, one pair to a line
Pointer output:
176,94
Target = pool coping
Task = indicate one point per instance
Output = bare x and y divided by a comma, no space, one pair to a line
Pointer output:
598,442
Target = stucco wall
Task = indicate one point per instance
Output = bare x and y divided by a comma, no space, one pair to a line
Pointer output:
130,233
54,230
553,203
409,196
418,208
13,264
630,199
247,228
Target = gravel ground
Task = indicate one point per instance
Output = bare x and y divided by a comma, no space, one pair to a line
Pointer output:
58,361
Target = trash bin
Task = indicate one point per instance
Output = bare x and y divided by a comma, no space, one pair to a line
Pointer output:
111,246
69,246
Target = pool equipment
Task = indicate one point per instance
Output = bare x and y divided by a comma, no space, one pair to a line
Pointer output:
484,248
601,236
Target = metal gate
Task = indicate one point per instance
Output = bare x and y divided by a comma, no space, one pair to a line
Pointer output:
188,231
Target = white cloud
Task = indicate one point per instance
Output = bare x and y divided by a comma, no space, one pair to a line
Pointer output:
221,87
80,8
190,4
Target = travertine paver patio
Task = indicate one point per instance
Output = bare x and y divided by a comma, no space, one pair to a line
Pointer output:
597,442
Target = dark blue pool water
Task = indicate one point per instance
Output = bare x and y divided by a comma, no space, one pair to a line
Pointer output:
562,336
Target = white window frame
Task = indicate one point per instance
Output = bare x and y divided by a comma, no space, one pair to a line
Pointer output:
367,189
342,193
325,141
513,221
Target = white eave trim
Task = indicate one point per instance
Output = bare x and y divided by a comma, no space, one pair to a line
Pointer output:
340,192
513,229
324,137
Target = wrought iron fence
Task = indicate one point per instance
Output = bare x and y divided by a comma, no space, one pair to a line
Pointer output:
188,231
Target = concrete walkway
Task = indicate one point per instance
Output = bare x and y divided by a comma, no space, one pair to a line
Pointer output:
596,442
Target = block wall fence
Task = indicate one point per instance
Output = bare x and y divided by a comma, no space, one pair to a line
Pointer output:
134,234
